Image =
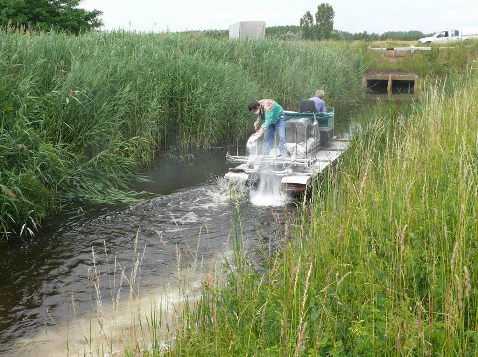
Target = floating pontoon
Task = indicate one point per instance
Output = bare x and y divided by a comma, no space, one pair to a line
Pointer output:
312,147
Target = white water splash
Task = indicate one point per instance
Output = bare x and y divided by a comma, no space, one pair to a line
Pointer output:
189,217
268,192
230,190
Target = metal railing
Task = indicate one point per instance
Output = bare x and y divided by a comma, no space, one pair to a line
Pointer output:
324,121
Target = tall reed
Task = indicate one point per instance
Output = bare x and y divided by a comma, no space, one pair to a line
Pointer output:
80,114
383,262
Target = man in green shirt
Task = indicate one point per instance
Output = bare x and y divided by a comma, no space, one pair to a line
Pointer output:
274,119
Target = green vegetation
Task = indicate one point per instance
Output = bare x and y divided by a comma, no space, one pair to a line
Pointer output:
289,32
216,34
295,32
382,262
80,113
402,35
436,63
323,26
386,36
284,71
323,29
307,26
324,21
48,14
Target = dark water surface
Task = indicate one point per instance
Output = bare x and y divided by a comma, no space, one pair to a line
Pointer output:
40,276
192,211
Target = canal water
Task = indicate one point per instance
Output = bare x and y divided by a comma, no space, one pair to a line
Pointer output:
81,259
189,221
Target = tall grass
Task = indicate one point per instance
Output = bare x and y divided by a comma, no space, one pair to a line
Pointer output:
286,71
384,260
79,114
440,61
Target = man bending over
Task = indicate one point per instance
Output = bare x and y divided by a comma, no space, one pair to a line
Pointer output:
274,119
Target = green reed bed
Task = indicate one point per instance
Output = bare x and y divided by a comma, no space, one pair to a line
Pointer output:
440,61
285,71
79,114
384,260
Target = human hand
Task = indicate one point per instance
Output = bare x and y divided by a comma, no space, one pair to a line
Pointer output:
257,123
257,134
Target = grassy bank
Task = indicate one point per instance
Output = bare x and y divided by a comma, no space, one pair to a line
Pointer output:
79,114
384,260
441,61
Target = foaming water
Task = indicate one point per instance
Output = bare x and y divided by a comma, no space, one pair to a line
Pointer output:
230,191
268,191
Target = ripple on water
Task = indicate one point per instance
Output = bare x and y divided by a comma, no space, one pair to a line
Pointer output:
41,281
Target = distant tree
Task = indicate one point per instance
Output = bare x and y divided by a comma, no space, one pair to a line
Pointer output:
402,35
287,32
307,26
49,14
359,36
324,21
216,34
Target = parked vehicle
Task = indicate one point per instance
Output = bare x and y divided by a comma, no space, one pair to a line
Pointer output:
448,36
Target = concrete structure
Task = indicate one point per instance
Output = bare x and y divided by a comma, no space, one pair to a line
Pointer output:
247,29
390,86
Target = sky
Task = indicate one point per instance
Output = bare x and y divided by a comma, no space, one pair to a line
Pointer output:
350,15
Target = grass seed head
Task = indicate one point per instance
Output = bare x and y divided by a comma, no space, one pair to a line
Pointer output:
460,292
467,284
454,255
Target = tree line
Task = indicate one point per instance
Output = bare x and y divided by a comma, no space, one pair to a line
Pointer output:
321,27
45,15
294,32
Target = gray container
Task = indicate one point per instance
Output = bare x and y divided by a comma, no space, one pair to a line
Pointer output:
247,29
296,130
